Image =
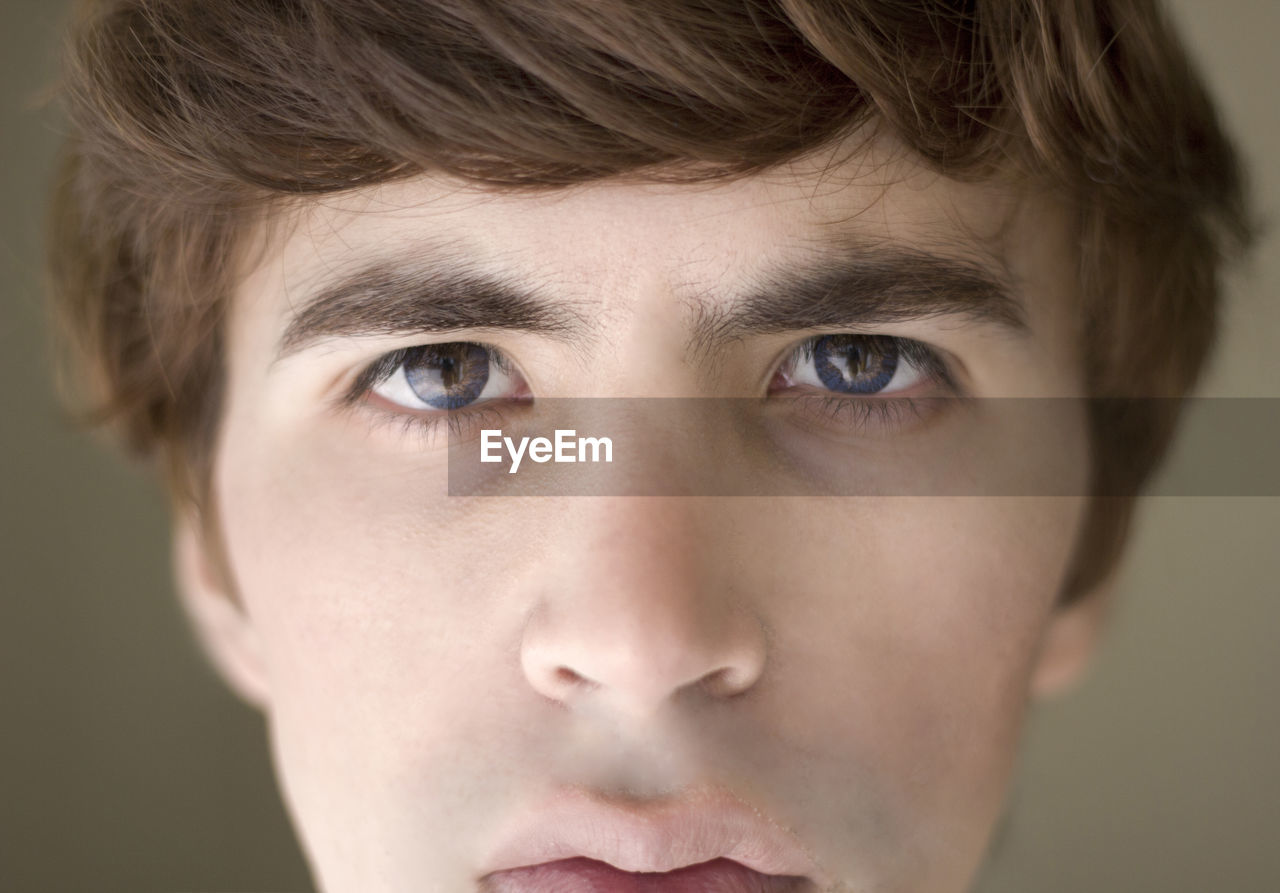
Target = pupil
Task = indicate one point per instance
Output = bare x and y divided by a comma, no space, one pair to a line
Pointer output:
855,364
447,376
449,372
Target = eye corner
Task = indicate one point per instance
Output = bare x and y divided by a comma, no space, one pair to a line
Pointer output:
371,376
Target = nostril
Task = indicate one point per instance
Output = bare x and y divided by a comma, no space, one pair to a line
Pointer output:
567,678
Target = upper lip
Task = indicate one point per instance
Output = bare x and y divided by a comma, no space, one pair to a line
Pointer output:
652,836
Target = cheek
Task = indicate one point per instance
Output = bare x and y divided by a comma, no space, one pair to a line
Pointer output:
358,573
923,631
376,606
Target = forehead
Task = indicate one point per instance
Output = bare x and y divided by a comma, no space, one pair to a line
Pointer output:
600,236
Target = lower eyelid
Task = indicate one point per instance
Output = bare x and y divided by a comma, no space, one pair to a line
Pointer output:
846,422
429,428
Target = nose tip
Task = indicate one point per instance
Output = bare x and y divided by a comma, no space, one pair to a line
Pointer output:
637,668
638,682
644,602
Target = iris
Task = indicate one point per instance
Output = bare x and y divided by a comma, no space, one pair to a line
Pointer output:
855,364
447,376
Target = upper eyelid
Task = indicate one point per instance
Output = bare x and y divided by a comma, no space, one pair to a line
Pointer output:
385,365
914,345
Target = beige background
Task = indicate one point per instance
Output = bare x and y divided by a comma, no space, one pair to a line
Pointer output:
125,766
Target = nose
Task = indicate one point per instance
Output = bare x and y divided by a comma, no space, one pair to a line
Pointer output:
640,610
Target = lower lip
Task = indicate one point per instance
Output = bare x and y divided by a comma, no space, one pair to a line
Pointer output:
590,876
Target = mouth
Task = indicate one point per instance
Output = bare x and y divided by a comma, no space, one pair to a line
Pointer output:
581,875
705,841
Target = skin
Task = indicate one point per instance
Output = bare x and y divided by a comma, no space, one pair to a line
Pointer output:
408,647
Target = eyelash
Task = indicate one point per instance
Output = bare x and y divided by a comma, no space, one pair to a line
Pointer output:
853,412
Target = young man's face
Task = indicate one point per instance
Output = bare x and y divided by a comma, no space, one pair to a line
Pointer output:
807,685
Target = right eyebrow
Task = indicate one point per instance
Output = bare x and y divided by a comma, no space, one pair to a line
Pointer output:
866,286
395,297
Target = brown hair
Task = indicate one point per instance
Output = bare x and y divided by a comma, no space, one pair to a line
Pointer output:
191,120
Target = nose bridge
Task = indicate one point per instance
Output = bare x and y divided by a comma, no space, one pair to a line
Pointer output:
639,610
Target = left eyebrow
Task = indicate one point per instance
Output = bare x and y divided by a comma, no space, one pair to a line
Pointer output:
396,297
864,287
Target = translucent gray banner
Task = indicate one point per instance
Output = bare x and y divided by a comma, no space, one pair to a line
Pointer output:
840,446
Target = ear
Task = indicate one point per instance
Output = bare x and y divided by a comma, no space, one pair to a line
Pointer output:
222,626
1071,639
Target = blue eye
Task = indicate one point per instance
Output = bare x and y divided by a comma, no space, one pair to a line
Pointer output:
862,364
855,364
447,376
440,376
